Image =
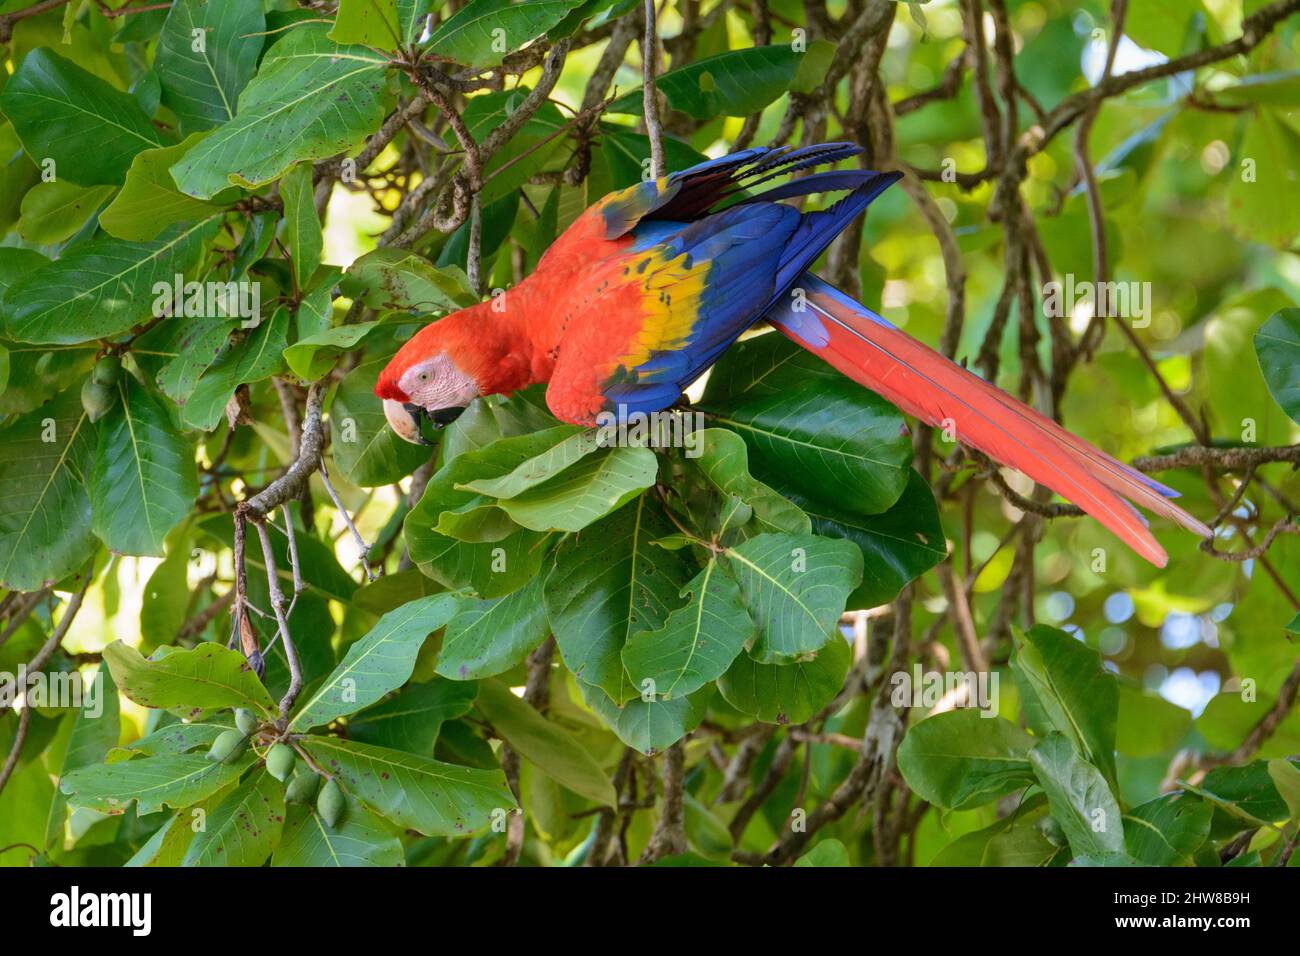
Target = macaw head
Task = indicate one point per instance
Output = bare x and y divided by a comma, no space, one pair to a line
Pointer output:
425,380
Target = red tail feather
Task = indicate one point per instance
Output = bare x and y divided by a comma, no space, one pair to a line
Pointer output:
927,385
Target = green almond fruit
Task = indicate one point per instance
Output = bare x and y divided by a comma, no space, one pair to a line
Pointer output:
107,370
229,745
245,721
280,760
302,788
329,803
96,399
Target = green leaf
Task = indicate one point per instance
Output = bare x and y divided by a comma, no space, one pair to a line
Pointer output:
739,82
380,662
310,99
368,22
398,280
567,445
202,86
101,287
45,531
795,587
898,545
961,759
608,584
95,729
256,357
1271,147
553,750
366,450
585,493
411,719
828,852
810,432
175,780
311,357
787,693
361,838
302,229
1248,792
435,798
65,114
470,36
243,828
724,461
488,637
53,211
1080,699
149,201
1286,778
175,738
1277,344
144,480
697,643
1081,801
526,153
1168,830
649,726
209,676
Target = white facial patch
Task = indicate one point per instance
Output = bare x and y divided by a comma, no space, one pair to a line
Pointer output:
437,383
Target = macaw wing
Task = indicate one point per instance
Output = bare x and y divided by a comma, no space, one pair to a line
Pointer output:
695,286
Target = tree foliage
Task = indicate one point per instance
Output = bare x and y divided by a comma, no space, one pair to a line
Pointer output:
307,642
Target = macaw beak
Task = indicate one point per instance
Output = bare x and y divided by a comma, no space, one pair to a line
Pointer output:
404,419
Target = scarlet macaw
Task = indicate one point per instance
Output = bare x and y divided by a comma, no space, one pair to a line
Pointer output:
647,288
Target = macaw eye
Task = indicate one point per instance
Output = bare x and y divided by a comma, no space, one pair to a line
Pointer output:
424,376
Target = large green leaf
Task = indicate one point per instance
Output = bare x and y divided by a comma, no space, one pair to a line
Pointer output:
311,99
149,201
410,720
380,662
100,288
175,780
45,528
608,584
543,743
1277,343
961,759
435,798
786,693
301,231
65,114
739,82
795,587
567,444
1079,796
585,492
396,279
207,677
488,637
809,430
95,729
202,86
1079,698
244,827
54,211
361,838
697,643
724,461
1166,831
649,726
897,545
366,450
258,356
485,30
1272,148
369,22
144,480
